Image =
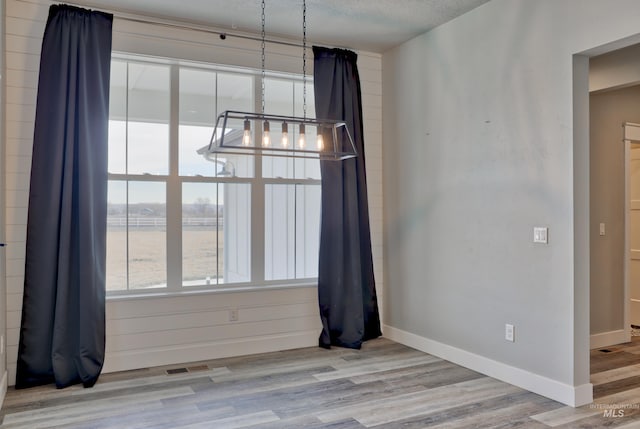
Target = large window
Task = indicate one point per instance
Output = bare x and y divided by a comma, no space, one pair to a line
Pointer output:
178,221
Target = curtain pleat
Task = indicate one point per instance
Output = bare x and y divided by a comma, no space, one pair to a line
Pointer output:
62,334
346,284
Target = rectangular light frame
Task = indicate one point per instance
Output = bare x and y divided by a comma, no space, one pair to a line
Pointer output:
339,146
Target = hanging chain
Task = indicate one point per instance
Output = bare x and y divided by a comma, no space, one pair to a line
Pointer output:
263,56
304,58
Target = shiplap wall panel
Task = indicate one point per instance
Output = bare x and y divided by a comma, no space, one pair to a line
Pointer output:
19,97
16,164
16,233
22,27
16,253
128,308
173,329
204,334
19,147
21,112
19,130
14,284
154,356
22,79
370,68
32,10
21,44
22,61
204,318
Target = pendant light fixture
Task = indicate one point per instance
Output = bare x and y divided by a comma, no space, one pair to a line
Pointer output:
333,142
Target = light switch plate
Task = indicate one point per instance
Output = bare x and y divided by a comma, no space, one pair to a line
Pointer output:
602,230
540,234
509,332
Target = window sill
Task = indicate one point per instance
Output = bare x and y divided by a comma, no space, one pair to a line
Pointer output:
131,296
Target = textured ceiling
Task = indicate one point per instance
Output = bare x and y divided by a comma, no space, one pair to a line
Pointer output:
371,25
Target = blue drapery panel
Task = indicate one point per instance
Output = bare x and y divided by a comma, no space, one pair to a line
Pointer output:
62,334
346,285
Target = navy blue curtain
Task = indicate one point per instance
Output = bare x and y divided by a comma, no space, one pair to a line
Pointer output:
62,334
346,285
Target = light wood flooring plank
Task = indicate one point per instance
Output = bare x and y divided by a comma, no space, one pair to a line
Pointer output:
615,374
564,415
43,416
616,386
505,409
380,411
631,425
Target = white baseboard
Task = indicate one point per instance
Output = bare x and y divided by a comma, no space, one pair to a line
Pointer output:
136,359
3,387
606,339
574,396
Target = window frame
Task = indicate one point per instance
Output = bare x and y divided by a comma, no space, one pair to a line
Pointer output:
174,183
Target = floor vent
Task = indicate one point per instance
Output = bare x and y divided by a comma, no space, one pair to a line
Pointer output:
177,371
605,350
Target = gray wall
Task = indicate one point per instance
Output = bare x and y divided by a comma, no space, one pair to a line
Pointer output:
608,110
480,147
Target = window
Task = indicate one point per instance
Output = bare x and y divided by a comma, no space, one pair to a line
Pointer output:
177,221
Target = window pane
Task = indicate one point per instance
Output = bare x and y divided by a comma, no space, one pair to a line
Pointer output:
306,168
147,238
285,97
148,119
136,235
148,148
278,100
292,220
308,206
200,228
116,236
197,119
235,242
216,219
235,92
117,118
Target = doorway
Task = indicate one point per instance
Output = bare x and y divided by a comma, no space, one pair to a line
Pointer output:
632,224
609,202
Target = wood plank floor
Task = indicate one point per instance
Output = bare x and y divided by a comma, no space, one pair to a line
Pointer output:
384,385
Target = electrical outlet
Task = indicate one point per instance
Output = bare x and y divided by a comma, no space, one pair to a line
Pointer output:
233,315
509,332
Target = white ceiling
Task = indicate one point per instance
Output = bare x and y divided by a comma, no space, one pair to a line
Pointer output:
369,25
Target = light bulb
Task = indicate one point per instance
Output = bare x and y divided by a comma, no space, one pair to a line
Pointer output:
301,139
266,138
285,135
320,141
246,136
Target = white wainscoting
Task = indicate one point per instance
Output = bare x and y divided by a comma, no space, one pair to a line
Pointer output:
170,330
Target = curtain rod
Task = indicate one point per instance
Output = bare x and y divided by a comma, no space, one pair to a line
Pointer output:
222,34
185,26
